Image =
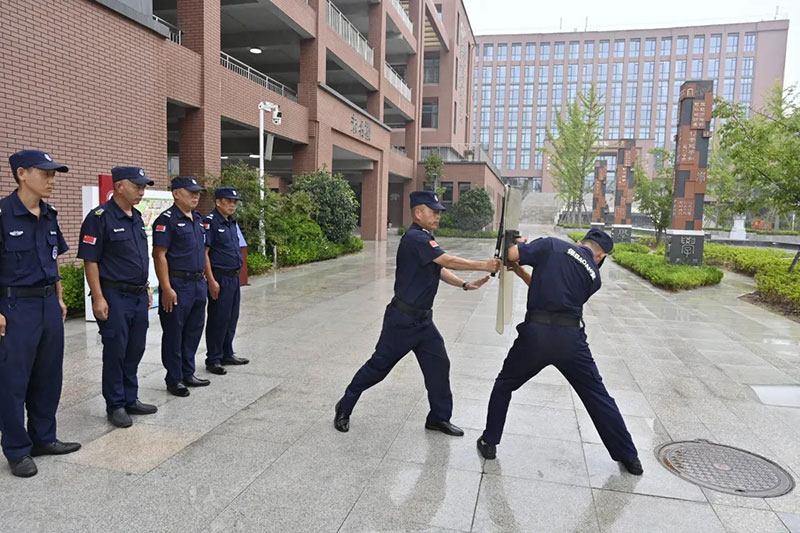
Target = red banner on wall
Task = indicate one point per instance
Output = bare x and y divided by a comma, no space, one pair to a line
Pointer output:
106,186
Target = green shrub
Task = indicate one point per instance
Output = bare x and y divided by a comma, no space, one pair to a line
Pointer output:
335,206
258,263
354,244
72,286
446,221
744,260
648,241
775,285
401,230
576,235
251,209
473,211
632,247
657,271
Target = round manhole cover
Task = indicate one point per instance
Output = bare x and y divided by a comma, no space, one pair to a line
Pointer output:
725,469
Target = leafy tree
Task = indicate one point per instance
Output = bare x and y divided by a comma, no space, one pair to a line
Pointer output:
434,171
734,195
251,209
335,206
764,146
654,196
575,148
473,210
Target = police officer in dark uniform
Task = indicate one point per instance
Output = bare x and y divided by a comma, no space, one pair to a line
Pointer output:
179,253
222,273
564,276
113,246
408,321
32,314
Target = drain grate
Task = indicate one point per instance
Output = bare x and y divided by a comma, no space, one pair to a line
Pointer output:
725,469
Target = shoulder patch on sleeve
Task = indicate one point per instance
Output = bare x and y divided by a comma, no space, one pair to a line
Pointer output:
433,244
51,208
99,211
167,213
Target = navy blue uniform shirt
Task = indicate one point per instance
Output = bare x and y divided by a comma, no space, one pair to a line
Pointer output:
417,276
117,242
184,239
29,245
564,276
222,239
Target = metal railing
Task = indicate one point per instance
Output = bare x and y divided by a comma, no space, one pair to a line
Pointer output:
397,81
460,153
403,14
233,64
347,31
175,35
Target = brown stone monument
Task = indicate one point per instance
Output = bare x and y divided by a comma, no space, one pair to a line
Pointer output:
623,197
685,235
599,205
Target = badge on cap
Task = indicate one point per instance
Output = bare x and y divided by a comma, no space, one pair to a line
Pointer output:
435,198
194,181
141,172
47,156
234,192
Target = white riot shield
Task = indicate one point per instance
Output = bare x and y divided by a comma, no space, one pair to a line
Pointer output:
509,227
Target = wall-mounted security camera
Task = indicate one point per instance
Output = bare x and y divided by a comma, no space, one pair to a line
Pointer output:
277,116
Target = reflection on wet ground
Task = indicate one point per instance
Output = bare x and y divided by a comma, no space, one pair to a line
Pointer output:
256,451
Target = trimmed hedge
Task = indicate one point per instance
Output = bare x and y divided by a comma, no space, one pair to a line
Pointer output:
72,286
657,271
258,263
631,247
576,235
760,231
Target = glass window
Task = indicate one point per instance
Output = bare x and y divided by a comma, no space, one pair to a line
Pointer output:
747,67
747,90
572,72
663,70
525,159
497,156
544,51
572,92
431,74
588,50
538,161
733,43
485,115
502,52
486,94
602,72
727,89
715,45
430,114
463,186
515,74
541,95
516,52
650,47
511,159
632,93
663,91
500,74
699,45
527,94
558,73
647,91
697,69
488,52
749,42
618,69
633,71
616,92
682,45
513,95
530,51
633,48
603,50
530,73
557,94
527,120
587,72
619,48
544,73
484,137
499,134
666,46
730,67
574,48
500,95
558,50
649,70
541,114
644,120
713,68
513,117
680,69
487,74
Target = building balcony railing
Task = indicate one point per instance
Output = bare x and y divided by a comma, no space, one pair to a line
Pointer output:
233,64
400,150
175,35
397,81
403,14
339,23
460,153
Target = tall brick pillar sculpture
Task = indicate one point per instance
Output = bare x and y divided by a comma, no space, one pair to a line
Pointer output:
685,235
623,197
599,205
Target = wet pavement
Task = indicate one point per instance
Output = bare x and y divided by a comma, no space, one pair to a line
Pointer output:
257,451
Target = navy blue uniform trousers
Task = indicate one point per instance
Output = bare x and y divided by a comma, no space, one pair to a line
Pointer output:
182,328
223,315
565,347
31,361
124,338
401,334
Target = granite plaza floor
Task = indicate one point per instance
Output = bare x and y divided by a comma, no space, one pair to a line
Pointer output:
257,451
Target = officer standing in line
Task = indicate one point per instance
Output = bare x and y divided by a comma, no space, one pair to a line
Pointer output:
222,273
113,246
179,253
408,321
32,314
564,277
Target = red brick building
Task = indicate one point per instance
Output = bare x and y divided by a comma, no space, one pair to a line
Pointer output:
174,86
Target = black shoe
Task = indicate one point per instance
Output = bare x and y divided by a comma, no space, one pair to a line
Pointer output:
139,408
233,360
634,467
178,389
194,381
120,418
488,451
445,427
216,368
341,421
55,448
23,467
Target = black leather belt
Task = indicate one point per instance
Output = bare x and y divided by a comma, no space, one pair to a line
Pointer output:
542,317
27,292
419,314
124,287
230,273
186,275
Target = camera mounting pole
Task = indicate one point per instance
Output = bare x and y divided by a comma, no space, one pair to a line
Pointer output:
273,109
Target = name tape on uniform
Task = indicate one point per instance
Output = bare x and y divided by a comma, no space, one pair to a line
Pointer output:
577,257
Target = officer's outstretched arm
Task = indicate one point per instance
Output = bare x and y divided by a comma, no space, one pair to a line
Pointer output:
512,255
453,262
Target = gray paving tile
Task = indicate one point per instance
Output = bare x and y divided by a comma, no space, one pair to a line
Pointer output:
542,459
743,520
620,512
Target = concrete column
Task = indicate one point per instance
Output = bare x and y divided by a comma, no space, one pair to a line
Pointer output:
599,205
623,198
409,186
414,78
374,202
200,134
310,157
685,235
377,40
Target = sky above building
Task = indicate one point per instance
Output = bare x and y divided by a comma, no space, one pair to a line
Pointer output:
525,16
